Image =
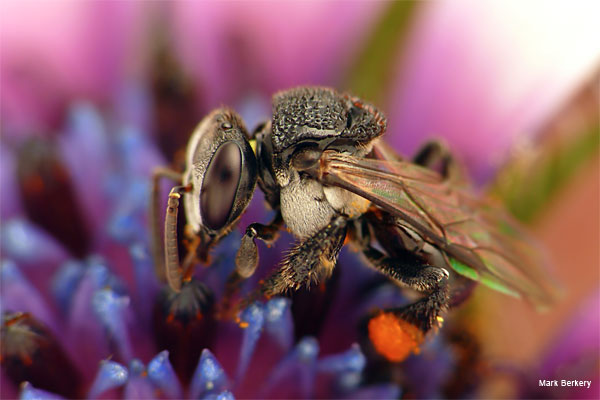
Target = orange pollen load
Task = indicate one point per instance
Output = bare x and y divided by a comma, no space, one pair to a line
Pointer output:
394,338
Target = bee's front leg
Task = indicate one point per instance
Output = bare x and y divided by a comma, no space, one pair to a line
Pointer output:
157,237
173,271
310,260
246,259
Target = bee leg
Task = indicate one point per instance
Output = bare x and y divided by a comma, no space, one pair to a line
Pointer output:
173,270
414,273
436,155
158,252
398,332
426,313
309,261
246,259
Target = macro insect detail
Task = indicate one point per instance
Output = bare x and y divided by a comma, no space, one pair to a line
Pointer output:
330,179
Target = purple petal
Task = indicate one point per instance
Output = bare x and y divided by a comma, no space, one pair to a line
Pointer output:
127,220
431,369
278,322
110,375
86,340
128,184
381,391
224,395
252,320
136,368
138,385
137,153
102,276
482,75
30,246
208,378
139,388
86,152
10,206
65,283
147,285
20,296
28,392
163,376
110,308
346,369
351,360
295,374
347,382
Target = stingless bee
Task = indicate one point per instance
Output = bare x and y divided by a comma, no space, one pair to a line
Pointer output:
328,176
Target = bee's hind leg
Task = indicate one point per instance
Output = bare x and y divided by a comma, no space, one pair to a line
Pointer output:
436,155
408,269
396,333
411,271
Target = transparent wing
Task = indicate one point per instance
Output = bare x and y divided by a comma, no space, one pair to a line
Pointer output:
479,239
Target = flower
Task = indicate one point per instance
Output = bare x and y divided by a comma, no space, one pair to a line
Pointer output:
84,314
114,303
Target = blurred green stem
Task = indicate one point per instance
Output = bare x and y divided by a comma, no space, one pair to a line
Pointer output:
567,143
527,185
375,64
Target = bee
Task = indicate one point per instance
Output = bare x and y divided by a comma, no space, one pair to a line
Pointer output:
329,177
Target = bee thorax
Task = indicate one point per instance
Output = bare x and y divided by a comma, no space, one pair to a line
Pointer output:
304,207
345,202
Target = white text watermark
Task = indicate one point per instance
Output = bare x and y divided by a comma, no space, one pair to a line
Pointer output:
564,382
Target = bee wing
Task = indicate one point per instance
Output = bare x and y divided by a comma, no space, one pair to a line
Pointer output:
479,239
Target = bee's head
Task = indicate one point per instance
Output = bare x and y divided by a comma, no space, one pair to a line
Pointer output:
221,168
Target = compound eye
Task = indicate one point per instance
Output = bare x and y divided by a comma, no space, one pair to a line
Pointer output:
220,185
221,170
